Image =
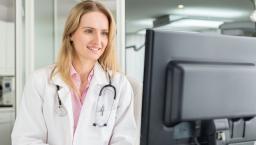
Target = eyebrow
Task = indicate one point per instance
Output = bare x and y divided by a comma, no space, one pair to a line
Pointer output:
85,27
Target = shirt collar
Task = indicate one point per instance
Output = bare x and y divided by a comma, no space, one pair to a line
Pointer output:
99,77
74,73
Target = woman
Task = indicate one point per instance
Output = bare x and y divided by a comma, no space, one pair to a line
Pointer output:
81,100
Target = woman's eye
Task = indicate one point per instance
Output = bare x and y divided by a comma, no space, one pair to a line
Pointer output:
104,33
88,31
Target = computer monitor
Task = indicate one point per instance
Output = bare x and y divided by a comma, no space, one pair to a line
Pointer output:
198,89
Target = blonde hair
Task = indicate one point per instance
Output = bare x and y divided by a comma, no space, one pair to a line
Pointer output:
67,52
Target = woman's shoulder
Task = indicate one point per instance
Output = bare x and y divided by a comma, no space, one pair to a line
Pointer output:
39,79
117,75
41,75
43,71
121,78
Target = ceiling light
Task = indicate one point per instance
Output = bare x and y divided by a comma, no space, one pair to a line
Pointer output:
210,12
148,22
253,14
180,6
193,24
197,23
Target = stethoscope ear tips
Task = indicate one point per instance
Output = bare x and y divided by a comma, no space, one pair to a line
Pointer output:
94,124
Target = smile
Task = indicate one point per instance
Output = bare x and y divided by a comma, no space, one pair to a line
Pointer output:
93,49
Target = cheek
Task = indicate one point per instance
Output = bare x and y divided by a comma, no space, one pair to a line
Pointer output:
105,42
77,46
80,43
105,45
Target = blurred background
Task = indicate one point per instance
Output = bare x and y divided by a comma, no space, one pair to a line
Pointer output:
30,36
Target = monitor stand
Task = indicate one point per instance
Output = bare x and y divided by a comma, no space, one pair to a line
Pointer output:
239,131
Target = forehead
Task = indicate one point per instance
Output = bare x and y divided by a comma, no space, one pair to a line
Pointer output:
95,19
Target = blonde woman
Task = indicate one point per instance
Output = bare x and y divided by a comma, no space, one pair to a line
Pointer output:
82,99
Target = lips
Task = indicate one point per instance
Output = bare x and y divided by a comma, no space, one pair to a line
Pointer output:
94,49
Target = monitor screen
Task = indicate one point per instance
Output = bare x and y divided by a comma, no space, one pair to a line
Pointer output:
196,87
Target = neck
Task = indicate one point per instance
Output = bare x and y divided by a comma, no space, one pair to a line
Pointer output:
83,68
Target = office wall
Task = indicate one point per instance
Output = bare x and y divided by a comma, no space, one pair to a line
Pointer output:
134,60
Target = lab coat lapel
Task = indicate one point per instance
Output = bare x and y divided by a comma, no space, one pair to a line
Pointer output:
88,111
100,75
65,97
98,80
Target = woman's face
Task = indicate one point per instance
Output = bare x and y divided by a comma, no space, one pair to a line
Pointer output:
91,37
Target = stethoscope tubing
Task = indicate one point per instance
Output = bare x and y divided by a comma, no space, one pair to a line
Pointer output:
109,85
61,111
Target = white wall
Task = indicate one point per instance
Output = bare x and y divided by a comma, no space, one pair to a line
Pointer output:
134,60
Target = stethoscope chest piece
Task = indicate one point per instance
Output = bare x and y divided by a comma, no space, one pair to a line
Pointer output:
61,111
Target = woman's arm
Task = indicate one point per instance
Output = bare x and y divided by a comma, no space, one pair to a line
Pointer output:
124,132
29,127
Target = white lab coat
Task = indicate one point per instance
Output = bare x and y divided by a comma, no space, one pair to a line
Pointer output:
38,124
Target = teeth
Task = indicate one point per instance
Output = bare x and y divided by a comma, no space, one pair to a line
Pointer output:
94,49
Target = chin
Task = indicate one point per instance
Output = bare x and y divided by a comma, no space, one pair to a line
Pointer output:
94,58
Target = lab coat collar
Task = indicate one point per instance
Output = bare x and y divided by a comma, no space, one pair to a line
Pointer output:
100,77
57,80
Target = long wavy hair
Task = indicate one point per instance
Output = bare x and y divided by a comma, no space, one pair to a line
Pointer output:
107,60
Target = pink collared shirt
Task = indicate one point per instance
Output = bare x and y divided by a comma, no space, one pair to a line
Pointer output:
77,101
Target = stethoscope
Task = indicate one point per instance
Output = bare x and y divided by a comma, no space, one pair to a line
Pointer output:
61,111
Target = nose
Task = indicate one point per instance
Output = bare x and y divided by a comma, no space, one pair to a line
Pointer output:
97,38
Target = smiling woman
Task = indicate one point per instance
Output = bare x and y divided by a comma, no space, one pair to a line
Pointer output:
81,99
91,37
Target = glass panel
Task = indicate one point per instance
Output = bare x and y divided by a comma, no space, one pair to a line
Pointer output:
44,33
7,69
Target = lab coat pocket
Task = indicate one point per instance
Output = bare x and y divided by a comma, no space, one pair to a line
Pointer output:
103,118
